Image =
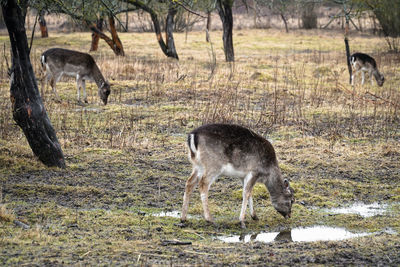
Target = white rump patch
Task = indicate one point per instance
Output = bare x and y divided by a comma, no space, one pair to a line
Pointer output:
192,145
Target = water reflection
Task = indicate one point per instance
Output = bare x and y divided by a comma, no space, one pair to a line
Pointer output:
308,234
362,209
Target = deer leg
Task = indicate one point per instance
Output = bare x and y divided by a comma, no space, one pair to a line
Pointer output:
370,77
251,207
190,184
78,85
362,77
248,185
45,81
53,81
204,187
84,91
353,77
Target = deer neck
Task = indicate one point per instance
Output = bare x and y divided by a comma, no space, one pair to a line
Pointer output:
376,74
97,76
274,183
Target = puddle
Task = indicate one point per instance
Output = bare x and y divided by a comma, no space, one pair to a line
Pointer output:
362,209
309,234
173,214
87,109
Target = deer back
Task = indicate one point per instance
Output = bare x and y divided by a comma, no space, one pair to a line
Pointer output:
226,145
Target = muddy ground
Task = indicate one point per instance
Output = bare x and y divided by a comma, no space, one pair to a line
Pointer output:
127,161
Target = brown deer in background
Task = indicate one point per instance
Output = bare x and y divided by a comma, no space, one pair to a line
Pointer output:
57,62
232,150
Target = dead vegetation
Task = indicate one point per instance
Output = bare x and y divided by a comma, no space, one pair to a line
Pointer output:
337,144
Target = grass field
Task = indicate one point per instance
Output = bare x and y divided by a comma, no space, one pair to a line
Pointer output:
127,161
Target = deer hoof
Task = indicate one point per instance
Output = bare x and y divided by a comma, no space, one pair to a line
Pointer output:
242,225
254,217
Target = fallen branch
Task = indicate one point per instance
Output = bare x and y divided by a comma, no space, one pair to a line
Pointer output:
360,97
21,224
175,243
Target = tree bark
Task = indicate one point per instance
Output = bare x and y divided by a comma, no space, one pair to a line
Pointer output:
156,24
346,43
285,22
43,26
309,16
126,18
208,26
2,25
118,48
112,43
27,106
225,13
95,37
169,30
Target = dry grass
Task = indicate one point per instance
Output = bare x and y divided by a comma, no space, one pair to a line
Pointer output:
336,143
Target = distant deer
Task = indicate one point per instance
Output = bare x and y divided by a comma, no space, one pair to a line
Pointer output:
232,150
365,63
57,62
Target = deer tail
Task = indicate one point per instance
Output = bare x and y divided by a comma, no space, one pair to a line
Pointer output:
192,144
43,61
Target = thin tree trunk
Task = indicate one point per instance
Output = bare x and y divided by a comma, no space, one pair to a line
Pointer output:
126,19
374,30
28,109
169,30
346,43
255,18
95,37
225,13
118,48
111,43
43,26
208,26
186,27
285,22
156,24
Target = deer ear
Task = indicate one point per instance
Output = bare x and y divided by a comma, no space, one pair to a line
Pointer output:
286,183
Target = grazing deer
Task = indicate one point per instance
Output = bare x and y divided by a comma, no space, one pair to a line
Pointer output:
365,63
57,62
232,150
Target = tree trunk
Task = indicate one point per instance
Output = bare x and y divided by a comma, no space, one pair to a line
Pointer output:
309,16
2,25
118,48
225,13
43,26
28,110
156,24
169,30
112,43
95,37
208,26
127,18
346,43
285,22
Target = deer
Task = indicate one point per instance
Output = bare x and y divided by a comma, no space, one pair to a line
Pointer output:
57,62
365,63
235,151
